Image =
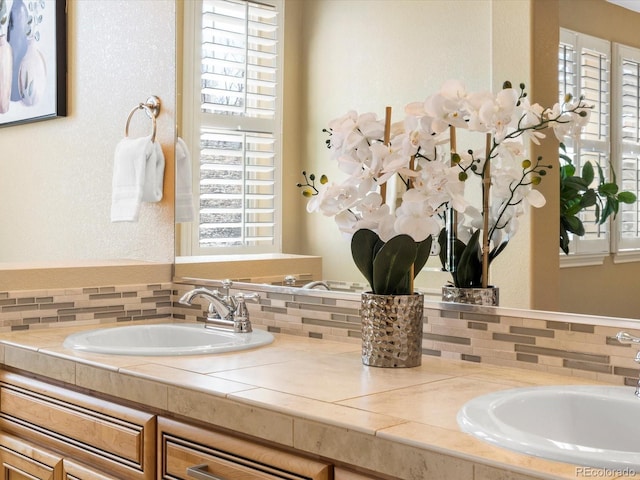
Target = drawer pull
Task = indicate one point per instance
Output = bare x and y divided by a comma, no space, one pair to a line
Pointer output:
199,472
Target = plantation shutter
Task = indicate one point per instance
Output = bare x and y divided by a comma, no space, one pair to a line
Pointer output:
628,143
584,69
236,127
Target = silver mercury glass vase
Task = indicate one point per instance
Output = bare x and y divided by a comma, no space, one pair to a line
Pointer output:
392,330
472,296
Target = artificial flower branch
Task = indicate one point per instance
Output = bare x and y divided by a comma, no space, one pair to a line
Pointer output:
372,152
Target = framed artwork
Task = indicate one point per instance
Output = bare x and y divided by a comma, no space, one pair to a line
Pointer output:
33,60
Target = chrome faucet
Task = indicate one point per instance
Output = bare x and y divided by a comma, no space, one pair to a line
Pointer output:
624,337
224,311
317,284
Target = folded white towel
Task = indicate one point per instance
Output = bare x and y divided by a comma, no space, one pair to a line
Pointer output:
184,185
154,175
138,175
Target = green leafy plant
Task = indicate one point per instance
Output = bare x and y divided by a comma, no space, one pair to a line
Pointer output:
389,267
577,194
466,270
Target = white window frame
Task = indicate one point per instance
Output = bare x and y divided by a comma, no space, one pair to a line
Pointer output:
626,249
585,250
193,119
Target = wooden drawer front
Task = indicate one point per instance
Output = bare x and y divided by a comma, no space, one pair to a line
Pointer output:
77,471
20,460
100,433
183,446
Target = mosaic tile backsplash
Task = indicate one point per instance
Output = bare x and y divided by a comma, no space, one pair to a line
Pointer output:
20,310
551,344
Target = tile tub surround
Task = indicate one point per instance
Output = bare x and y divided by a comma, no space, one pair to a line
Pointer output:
315,396
575,345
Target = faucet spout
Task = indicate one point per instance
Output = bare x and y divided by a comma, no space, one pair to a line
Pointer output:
318,284
217,306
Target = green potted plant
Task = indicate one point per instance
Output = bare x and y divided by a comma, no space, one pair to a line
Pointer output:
577,194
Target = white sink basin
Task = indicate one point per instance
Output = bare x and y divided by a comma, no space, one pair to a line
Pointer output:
164,339
595,426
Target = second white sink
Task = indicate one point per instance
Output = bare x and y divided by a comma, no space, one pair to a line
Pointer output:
595,426
165,339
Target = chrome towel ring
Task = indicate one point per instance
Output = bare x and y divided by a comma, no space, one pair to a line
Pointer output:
152,108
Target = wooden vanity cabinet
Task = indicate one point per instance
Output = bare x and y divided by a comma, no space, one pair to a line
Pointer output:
83,430
49,432
21,460
191,453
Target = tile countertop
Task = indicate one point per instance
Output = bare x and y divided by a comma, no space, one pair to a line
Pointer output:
316,396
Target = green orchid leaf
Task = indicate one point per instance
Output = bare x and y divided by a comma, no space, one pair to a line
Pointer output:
392,264
364,245
422,255
469,272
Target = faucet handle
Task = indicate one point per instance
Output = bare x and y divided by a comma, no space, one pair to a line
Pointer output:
241,314
624,337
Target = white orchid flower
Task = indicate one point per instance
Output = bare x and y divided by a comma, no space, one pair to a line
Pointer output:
416,219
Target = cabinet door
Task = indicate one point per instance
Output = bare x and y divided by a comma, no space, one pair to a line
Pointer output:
20,460
192,453
96,432
77,471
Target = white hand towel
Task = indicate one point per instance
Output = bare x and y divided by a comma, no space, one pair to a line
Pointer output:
138,174
154,175
184,185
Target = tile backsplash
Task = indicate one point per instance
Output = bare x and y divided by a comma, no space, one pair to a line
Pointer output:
540,341
20,310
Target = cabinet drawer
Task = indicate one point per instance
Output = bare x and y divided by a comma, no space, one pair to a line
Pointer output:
76,471
211,455
97,432
21,460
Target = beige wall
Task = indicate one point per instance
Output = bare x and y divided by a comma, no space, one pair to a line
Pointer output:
55,176
608,289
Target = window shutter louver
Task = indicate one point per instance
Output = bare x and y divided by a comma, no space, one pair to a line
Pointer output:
628,144
238,127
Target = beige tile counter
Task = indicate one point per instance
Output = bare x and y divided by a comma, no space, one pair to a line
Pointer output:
315,396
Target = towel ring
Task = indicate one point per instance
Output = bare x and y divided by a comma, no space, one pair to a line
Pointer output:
152,108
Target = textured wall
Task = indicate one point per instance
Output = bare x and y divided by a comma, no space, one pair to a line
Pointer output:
55,176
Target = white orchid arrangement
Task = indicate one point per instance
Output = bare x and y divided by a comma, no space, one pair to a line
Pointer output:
420,153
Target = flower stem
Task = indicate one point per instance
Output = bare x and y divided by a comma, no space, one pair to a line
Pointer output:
486,189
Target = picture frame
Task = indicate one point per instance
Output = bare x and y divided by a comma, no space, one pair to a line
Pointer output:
33,61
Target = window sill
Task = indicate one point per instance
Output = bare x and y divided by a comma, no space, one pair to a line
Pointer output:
582,260
627,257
